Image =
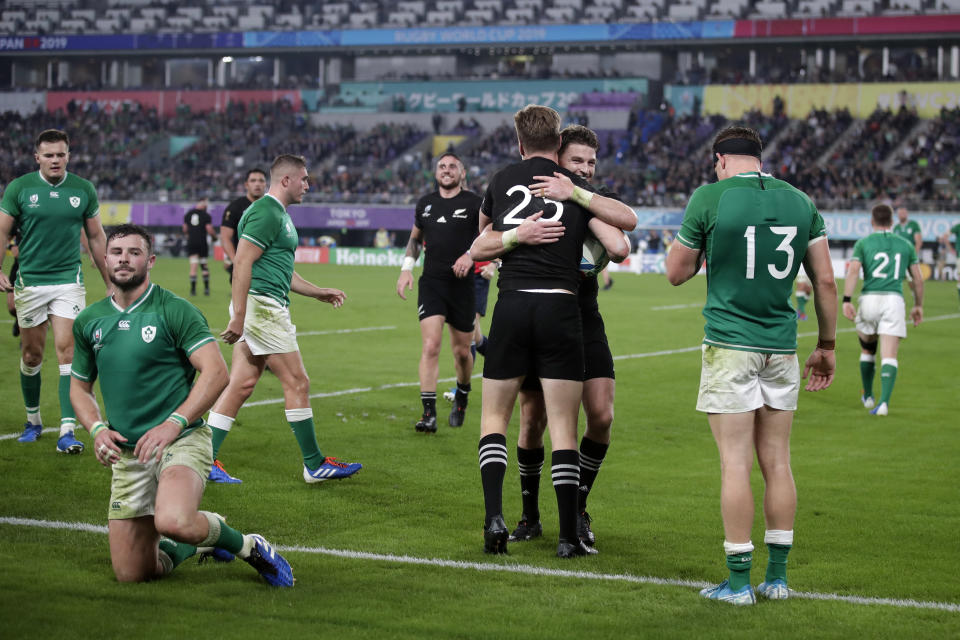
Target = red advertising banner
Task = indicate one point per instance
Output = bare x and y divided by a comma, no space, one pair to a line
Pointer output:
166,102
873,25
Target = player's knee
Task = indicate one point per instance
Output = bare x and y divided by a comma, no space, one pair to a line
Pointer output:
32,357
299,385
599,422
431,349
868,347
174,524
133,574
243,387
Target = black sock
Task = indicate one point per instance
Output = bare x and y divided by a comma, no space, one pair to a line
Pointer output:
429,400
565,471
461,394
193,284
530,462
492,453
206,283
591,457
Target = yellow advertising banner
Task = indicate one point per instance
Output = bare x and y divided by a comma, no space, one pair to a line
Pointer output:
442,143
861,99
114,213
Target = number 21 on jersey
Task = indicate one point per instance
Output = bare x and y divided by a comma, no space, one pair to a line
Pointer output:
786,234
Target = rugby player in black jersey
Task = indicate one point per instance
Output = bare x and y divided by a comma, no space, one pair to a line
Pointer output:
255,185
578,154
446,223
536,321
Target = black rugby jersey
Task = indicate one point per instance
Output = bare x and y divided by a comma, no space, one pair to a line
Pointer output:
448,227
232,215
508,201
196,221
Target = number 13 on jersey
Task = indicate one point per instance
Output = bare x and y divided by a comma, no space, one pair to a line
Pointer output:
770,257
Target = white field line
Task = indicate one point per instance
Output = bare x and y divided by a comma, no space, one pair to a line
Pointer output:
671,307
339,331
519,569
11,436
394,385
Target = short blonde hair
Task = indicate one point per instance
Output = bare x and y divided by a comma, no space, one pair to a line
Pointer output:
538,128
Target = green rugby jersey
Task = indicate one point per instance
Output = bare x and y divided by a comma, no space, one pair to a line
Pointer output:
755,230
50,217
955,230
907,230
267,224
886,258
141,354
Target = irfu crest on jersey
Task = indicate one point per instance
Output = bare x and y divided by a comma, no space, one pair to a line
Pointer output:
148,333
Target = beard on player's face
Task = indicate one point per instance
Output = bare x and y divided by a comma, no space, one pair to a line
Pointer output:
133,280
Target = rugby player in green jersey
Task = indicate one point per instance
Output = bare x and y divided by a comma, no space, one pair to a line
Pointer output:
755,231
50,206
147,346
955,232
909,230
260,325
886,258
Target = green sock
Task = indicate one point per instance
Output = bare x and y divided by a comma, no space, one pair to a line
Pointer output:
801,303
176,551
888,376
219,435
221,535
30,385
777,566
868,367
739,565
306,437
63,391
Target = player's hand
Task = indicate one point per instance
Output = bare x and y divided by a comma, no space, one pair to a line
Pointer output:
916,314
820,367
404,282
533,230
556,187
5,282
234,330
463,266
106,446
488,270
153,442
849,311
332,296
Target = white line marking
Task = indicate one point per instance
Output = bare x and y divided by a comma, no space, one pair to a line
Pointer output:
518,568
11,436
671,307
651,354
338,331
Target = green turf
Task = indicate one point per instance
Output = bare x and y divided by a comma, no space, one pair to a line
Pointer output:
878,505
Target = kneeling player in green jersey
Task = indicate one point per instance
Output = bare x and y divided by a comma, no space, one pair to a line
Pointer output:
886,258
146,345
50,207
260,326
755,232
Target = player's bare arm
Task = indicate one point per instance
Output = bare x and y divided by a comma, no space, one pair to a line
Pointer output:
106,443
492,244
6,226
226,240
821,364
247,254
303,287
560,187
414,246
682,263
97,241
849,286
614,240
916,285
211,231
213,377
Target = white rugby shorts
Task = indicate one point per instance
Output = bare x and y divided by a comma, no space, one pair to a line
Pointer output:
733,381
36,304
267,327
881,314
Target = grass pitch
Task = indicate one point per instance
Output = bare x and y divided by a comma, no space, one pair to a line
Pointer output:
877,520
